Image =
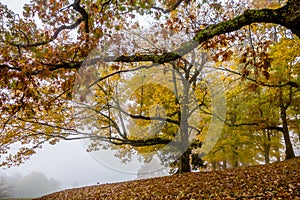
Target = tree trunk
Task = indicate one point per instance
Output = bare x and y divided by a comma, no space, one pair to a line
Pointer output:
184,162
289,152
235,157
277,153
224,166
267,146
183,114
214,165
267,158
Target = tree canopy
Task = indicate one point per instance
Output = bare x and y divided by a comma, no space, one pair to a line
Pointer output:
89,69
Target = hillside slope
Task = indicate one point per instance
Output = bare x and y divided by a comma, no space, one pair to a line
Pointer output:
280,180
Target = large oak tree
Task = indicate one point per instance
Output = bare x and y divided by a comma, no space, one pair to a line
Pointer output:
42,52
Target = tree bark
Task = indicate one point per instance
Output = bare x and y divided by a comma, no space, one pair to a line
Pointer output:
214,165
287,16
224,166
277,153
267,146
235,157
289,152
184,162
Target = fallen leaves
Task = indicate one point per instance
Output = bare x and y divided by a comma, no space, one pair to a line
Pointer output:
280,180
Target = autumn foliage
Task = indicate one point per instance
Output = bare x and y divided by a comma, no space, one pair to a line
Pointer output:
63,67
275,181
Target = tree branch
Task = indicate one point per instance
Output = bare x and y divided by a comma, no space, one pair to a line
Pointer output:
147,117
290,83
276,128
174,7
84,17
143,142
278,16
3,66
53,37
84,14
113,140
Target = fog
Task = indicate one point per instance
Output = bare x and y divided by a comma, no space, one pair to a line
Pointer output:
32,185
70,165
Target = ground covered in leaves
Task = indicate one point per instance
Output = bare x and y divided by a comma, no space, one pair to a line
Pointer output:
280,180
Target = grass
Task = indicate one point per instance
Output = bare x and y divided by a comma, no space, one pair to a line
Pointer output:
280,180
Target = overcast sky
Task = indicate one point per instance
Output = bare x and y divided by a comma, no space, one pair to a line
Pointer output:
68,162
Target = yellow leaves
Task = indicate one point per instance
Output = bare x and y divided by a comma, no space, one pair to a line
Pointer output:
174,14
285,51
265,4
153,100
27,152
53,141
284,55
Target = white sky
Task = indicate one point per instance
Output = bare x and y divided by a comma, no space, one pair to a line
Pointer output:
15,5
68,162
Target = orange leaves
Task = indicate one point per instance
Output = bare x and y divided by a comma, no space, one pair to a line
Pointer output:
115,67
222,56
192,17
38,69
245,72
227,56
243,58
258,60
252,87
276,181
181,64
174,23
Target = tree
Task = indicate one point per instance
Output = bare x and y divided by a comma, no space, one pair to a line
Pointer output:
4,188
146,110
32,185
265,96
39,63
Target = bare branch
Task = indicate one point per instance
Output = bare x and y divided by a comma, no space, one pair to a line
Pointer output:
290,83
3,66
76,6
133,116
113,140
54,36
15,111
